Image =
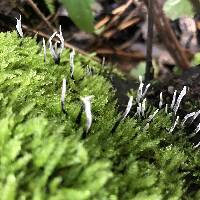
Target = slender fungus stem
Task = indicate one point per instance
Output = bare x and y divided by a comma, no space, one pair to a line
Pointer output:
145,90
195,116
139,110
180,97
54,50
87,103
103,62
45,51
174,126
166,108
51,48
195,131
72,54
143,106
173,100
128,108
187,117
153,115
62,42
161,100
139,92
126,112
149,66
64,88
19,26
196,146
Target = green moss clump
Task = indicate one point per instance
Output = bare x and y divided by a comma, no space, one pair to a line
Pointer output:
43,155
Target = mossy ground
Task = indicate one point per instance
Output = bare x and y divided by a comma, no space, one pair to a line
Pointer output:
43,155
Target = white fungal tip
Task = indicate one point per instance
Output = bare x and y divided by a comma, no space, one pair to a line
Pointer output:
19,26
103,61
56,52
44,47
174,126
161,100
197,129
146,127
87,98
51,48
180,97
52,36
60,30
145,90
139,92
128,108
173,100
87,103
140,78
153,115
196,115
64,88
139,110
166,108
187,117
143,106
60,36
71,62
196,146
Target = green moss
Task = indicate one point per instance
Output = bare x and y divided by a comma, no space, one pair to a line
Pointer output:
42,155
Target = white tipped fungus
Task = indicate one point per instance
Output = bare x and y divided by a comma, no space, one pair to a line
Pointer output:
166,108
153,115
64,88
173,100
19,26
175,124
54,50
187,117
87,103
180,97
45,50
161,100
72,54
128,108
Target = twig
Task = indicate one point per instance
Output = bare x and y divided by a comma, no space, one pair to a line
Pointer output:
136,55
67,45
196,5
169,38
149,66
42,23
40,14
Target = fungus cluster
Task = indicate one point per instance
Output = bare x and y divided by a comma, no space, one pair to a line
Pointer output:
128,155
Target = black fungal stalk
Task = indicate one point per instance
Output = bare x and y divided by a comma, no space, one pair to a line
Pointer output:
149,65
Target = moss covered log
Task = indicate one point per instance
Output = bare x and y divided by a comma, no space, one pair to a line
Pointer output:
42,151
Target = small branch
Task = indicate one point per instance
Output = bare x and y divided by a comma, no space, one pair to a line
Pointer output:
42,23
67,45
149,66
196,5
40,14
169,38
